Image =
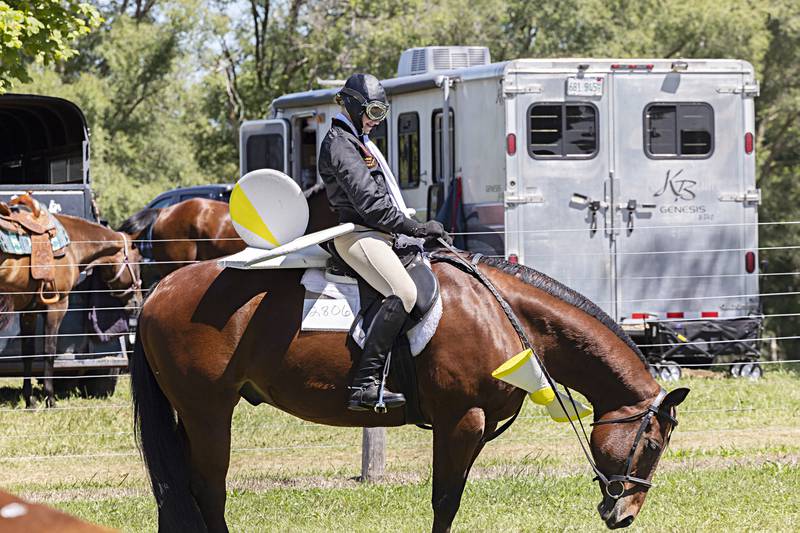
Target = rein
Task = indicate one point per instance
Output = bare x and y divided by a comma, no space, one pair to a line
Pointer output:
654,409
471,268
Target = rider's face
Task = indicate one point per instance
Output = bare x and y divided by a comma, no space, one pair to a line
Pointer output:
367,123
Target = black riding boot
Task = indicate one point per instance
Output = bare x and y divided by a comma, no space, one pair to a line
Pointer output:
382,333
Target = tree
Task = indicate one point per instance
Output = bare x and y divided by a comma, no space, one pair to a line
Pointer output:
40,32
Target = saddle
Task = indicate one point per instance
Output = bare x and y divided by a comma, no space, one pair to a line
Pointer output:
24,216
402,371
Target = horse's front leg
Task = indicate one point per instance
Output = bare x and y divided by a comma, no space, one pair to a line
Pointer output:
456,444
53,319
27,330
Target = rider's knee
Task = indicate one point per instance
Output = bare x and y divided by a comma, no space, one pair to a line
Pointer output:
408,295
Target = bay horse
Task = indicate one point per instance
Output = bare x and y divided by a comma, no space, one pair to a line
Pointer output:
205,333
192,230
199,229
92,246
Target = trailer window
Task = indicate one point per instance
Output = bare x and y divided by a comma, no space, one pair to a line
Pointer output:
380,136
562,131
679,130
265,151
436,139
69,170
408,150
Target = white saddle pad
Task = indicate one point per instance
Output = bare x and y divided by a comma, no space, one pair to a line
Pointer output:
332,306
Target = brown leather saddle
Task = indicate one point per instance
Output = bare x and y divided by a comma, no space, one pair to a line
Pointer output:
24,216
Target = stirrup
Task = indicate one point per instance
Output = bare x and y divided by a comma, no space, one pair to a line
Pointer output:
380,405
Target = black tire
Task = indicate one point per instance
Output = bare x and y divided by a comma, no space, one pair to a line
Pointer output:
100,387
64,387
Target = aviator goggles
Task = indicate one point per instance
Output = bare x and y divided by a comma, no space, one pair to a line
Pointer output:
375,110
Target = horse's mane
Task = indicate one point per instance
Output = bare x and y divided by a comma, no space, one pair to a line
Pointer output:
562,292
140,221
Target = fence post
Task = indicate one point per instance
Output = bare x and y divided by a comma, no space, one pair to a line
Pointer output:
373,453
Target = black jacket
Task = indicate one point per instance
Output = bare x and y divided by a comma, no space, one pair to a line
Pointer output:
358,194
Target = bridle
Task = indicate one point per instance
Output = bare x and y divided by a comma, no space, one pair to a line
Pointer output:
645,416
136,282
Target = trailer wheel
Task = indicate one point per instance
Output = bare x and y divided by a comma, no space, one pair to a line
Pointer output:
100,387
751,371
670,371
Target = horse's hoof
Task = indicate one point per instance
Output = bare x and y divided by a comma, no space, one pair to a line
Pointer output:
51,403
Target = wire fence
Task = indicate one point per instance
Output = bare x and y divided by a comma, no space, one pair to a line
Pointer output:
298,424
677,300
355,446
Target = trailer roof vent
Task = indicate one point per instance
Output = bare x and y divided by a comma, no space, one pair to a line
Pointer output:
439,58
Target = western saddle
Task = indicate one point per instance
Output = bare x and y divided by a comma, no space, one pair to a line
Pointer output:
24,216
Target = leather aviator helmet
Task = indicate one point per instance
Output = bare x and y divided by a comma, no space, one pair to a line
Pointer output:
363,93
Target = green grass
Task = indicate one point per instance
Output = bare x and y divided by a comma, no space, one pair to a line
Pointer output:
731,499
732,466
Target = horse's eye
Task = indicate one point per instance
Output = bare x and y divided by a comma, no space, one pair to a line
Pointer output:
653,445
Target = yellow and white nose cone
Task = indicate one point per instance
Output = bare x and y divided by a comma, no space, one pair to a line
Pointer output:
523,371
268,209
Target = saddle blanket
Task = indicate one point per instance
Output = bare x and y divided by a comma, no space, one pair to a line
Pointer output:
333,306
12,243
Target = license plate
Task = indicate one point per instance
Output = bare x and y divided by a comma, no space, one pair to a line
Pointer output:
586,86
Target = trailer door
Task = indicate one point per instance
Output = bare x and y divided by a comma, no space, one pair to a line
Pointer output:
678,162
264,144
557,181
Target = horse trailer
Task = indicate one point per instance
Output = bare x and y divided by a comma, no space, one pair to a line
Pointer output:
630,180
44,149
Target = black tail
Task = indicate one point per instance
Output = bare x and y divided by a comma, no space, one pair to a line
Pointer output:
139,222
163,449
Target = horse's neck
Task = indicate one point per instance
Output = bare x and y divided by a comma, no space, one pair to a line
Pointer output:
88,241
580,352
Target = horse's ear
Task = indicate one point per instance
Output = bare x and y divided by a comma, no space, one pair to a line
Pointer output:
676,397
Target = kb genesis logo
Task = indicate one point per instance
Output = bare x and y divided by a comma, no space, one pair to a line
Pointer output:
681,189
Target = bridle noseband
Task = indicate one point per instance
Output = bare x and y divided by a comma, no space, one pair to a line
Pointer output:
645,416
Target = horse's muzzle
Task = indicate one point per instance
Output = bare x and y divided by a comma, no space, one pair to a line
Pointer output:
610,514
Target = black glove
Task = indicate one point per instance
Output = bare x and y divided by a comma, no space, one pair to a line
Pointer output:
432,230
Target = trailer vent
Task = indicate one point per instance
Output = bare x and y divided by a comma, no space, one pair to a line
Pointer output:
441,58
418,63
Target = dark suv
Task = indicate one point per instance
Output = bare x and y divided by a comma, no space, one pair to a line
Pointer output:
220,191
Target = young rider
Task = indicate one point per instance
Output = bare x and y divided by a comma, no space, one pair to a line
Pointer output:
362,189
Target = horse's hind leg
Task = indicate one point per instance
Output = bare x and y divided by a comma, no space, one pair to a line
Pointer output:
209,445
456,444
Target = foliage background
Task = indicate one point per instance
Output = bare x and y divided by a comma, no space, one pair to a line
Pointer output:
166,83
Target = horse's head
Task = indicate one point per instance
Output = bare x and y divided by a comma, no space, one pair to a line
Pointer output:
121,272
627,444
